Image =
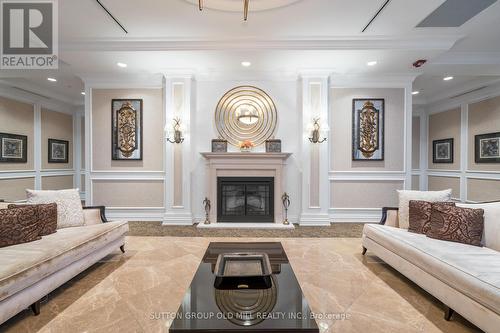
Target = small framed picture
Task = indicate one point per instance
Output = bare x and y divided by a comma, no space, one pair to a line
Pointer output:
487,148
273,146
13,148
442,151
58,151
219,146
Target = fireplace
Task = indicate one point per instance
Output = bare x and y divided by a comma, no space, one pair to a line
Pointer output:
245,199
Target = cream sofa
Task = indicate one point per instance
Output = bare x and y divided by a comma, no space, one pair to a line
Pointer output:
465,278
30,271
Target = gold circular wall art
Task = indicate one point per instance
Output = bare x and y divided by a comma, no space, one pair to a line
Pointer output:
246,113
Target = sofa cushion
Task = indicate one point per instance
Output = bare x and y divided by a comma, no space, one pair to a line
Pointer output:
457,224
471,270
25,264
405,197
420,215
69,205
19,225
47,216
491,233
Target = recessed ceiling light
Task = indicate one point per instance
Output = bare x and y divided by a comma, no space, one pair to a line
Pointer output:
83,93
246,63
448,78
415,92
371,63
121,64
51,79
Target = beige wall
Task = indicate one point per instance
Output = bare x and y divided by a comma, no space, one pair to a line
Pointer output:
130,194
483,190
15,189
415,183
445,125
57,182
56,125
18,118
444,183
484,117
415,151
341,133
152,134
369,194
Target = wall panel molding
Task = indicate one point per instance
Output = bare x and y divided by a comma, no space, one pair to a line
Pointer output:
367,175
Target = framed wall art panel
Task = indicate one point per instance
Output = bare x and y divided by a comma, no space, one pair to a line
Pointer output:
442,151
58,151
368,115
487,148
13,148
126,131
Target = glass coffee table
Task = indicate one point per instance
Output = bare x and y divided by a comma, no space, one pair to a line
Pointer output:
280,308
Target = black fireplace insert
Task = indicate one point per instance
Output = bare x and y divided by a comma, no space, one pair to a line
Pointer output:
245,199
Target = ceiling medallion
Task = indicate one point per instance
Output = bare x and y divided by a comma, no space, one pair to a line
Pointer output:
236,5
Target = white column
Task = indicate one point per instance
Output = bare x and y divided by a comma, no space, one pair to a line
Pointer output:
77,150
464,148
408,136
178,102
315,157
424,149
88,145
38,145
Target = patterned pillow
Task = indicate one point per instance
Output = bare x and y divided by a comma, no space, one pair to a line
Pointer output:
456,224
19,225
420,215
69,205
47,216
405,197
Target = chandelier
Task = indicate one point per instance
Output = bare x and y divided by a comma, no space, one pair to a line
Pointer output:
245,8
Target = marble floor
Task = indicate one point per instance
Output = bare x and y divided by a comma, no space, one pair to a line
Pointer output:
123,293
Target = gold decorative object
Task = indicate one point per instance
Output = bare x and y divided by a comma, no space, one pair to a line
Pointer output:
127,129
177,132
368,129
246,113
245,8
285,199
315,132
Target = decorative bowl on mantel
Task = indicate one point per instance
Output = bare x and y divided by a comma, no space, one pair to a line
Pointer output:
246,146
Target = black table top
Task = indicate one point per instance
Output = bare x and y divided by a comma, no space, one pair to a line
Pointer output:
282,308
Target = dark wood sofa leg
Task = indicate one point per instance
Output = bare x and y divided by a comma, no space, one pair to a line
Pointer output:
35,307
364,250
122,248
448,312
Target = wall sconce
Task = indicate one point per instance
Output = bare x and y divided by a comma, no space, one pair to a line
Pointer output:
177,137
315,128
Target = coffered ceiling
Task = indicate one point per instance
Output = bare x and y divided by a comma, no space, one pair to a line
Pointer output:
280,37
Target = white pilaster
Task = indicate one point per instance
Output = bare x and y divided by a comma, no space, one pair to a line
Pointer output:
88,145
408,136
178,102
38,145
315,157
464,148
77,150
424,150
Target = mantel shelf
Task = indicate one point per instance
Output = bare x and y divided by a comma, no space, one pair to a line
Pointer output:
250,155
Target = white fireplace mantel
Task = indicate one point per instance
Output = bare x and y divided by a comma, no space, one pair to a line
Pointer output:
236,164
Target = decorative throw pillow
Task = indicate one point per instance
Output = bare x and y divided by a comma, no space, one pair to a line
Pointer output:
47,216
456,224
406,196
19,225
69,206
420,215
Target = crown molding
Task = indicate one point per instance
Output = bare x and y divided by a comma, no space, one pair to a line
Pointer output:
420,42
402,80
148,81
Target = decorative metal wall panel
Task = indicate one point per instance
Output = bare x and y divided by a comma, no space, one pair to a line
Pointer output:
368,129
126,129
246,100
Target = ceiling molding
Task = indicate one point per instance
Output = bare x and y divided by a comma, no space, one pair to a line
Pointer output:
467,58
50,102
463,89
403,80
420,42
153,81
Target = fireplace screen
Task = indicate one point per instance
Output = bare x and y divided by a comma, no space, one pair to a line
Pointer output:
245,199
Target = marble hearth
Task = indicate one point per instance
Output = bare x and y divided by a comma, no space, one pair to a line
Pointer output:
236,164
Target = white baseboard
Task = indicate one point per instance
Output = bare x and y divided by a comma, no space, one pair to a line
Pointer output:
314,220
177,219
355,215
135,214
